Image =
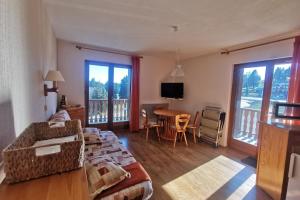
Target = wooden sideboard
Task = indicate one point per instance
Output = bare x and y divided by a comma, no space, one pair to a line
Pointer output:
66,186
77,113
277,141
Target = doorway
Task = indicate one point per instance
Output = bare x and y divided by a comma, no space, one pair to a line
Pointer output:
107,92
256,87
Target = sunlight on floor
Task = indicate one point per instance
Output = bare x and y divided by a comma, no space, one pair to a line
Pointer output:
202,182
243,189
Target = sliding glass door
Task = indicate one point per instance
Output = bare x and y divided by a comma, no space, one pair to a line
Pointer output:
98,94
121,93
107,89
248,103
280,84
256,87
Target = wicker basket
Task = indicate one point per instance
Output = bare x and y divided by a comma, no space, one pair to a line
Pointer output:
22,162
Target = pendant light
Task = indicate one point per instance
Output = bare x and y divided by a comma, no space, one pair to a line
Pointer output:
177,71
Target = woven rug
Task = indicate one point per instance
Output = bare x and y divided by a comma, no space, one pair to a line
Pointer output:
250,161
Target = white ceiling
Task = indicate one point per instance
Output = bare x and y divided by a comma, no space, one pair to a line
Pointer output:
143,26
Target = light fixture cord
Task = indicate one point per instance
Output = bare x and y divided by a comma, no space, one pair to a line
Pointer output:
178,56
175,29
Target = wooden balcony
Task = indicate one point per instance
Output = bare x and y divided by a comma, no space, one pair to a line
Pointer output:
246,125
98,110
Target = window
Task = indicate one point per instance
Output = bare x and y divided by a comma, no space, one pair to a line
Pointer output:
107,93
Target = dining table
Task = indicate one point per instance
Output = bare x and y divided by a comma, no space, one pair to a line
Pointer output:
168,119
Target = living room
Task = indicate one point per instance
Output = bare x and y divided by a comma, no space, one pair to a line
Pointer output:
112,62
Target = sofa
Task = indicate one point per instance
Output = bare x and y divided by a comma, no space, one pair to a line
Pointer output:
104,152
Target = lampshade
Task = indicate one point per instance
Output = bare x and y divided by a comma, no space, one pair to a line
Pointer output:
54,75
177,71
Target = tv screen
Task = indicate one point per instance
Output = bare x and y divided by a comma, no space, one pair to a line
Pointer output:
172,90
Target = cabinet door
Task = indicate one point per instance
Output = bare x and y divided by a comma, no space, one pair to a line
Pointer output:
77,113
293,192
271,159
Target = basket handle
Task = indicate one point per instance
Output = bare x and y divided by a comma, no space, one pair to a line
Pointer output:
47,150
56,124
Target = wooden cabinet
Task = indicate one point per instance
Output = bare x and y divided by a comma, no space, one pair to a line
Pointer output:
77,113
276,143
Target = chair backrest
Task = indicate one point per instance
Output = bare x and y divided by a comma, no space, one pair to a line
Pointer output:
181,121
196,119
144,117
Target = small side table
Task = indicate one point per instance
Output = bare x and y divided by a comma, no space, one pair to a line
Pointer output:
77,113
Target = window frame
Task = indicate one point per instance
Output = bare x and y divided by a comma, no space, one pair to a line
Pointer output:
236,144
110,123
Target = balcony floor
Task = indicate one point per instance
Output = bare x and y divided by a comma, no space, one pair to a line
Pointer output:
104,122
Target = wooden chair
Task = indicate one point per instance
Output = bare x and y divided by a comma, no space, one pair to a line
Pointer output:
181,122
149,124
193,127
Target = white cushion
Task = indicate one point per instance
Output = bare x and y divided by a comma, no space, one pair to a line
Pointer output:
60,116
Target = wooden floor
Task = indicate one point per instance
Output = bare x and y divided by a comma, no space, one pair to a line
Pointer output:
195,172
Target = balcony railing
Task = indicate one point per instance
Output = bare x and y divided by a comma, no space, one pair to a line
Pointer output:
246,126
246,119
98,110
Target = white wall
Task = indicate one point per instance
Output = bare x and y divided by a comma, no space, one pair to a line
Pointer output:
208,79
27,51
154,70
71,64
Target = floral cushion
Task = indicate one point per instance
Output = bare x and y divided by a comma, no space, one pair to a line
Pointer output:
108,137
91,130
102,138
103,176
91,136
116,152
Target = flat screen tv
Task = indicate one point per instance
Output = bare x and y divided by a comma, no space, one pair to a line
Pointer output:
172,90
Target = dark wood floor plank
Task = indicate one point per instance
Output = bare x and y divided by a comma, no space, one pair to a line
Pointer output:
165,164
